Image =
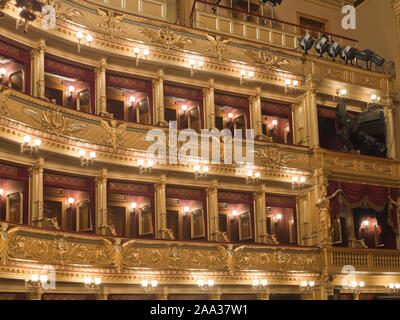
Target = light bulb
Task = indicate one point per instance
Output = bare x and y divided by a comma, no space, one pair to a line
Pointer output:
295,83
264,282
210,283
89,38
200,283
184,107
200,63
242,72
140,162
343,92
391,285
366,223
27,139
234,213
354,284
397,285
251,74
257,174
302,179
274,122
97,281
154,283
3,71
186,209
132,99
150,163
82,153
92,155
205,169
35,277
192,62
87,280
71,200
304,284
295,179
312,283
37,142
255,283
230,115
136,50
279,217
1,192
362,284
196,168
288,82
146,52
133,205
144,283
43,278
71,89
249,173
79,35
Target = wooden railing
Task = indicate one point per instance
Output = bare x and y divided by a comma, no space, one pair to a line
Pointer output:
364,259
217,18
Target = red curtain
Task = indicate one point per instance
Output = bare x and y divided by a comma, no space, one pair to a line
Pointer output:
376,196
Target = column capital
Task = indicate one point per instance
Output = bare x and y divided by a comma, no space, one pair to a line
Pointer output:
102,67
42,46
102,178
37,168
211,84
160,75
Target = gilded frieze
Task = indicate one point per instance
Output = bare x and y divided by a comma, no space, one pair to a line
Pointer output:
167,39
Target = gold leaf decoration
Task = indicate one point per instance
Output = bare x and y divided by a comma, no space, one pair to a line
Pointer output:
65,12
274,159
113,134
4,111
167,39
266,59
111,21
54,122
218,45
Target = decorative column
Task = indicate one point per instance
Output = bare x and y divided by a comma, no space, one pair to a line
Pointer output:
256,113
101,88
312,112
215,294
101,204
162,294
209,105
37,70
212,212
161,209
36,193
102,293
390,131
35,293
260,218
158,99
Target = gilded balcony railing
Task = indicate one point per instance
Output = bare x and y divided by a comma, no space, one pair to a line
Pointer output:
364,259
230,21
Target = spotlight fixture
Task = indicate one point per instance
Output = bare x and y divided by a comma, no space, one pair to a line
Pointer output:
140,54
322,45
334,50
145,167
348,54
28,147
370,57
3,73
306,42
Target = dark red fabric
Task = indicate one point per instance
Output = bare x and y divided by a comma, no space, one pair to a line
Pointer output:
353,193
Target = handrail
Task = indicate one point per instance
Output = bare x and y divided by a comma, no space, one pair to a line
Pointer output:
266,18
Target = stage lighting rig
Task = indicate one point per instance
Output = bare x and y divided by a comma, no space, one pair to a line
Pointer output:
334,50
348,54
306,42
322,45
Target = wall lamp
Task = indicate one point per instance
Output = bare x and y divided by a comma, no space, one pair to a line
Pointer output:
205,284
341,93
143,168
277,218
195,66
252,177
71,90
393,288
298,181
234,214
200,171
260,285
290,85
71,201
83,41
356,288
132,101
243,78
3,73
133,207
364,225
28,146
1,193
86,161
36,281
149,286
186,210
92,284
140,54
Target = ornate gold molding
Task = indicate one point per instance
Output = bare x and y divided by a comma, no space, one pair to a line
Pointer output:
110,22
113,135
167,39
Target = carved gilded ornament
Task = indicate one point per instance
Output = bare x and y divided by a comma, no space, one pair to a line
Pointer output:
54,122
110,22
4,111
167,39
64,12
113,134
274,159
266,59
218,45
324,225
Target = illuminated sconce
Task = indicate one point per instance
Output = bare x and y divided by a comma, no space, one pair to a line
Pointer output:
234,214
186,210
306,286
260,285
1,193
86,161
88,40
200,171
71,90
278,218
230,117
133,207
140,54
143,168
393,288
3,73
252,177
132,101
205,284
272,128
291,85
183,108
364,225
92,284
195,66
375,99
28,146
149,286
70,202
298,181
243,73
36,281
356,288
341,93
